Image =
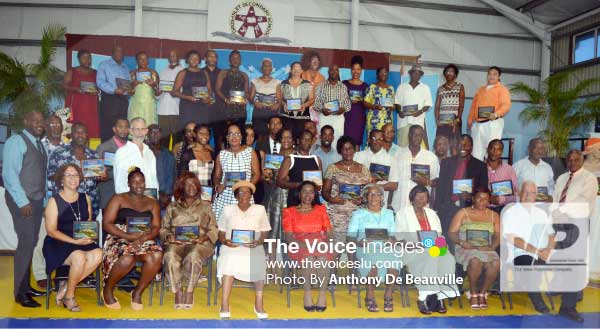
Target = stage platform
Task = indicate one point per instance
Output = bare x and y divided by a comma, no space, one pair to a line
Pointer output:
345,314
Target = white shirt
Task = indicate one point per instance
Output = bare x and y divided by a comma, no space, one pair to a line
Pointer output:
394,150
274,145
130,156
406,95
582,189
403,160
167,104
529,223
541,174
382,157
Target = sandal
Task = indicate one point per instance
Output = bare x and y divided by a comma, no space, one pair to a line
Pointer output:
388,304
178,303
61,292
189,300
74,307
113,306
371,305
483,301
135,306
474,300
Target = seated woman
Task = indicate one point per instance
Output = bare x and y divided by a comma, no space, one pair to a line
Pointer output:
474,255
374,216
183,259
308,220
243,261
122,250
411,222
60,248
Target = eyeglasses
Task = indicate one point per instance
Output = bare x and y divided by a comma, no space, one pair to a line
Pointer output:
55,124
234,135
244,193
139,129
375,139
71,175
375,194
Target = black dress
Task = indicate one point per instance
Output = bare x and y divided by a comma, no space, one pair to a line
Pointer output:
193,111
56,251
299,164
234,81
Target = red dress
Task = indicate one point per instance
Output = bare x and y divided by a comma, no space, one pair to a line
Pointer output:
310,226
84,107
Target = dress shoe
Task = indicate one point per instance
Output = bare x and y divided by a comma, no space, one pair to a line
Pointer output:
571,314
541,307
27,301
441,307
35,293
423,307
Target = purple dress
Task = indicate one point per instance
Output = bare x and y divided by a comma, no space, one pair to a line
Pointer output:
354,125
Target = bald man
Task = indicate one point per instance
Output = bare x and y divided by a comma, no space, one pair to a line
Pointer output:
114,100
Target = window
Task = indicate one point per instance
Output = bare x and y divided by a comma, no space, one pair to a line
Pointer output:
585,46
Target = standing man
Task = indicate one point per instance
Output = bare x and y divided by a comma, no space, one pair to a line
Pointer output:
216,120
312,127
388,140
413,99
414,156
165,166
232,81
379,162
325,152
332,101
490,104
270,144
534,169
53,138
24,175
441,145
500,172
113,100
135,154
168,106
108,149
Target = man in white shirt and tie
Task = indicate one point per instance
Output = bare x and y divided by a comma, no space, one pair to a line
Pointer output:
135,154
534,169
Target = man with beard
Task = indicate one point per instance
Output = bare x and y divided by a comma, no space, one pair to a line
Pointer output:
324,151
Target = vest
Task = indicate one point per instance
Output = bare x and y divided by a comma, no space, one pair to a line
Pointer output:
33,171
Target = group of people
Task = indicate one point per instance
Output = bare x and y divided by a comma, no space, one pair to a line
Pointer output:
283,177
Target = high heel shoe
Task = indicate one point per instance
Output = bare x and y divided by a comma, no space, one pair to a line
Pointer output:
135,306
320,308
60,292
309,308
260,315
189,302
74,307
114,306
224,315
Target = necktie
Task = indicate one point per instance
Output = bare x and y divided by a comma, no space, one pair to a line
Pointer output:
274,147
40,147
563,194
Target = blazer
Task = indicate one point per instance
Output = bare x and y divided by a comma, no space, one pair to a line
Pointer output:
476,169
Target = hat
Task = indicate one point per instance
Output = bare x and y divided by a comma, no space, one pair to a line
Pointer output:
416,67
244,183
591,143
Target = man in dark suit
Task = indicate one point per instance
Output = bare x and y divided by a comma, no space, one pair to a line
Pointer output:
461,166
121,131
270,145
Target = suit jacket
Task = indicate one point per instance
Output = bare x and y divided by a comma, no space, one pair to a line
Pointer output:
106,189
476,169
264,145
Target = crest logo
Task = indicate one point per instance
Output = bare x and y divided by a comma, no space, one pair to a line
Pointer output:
251,20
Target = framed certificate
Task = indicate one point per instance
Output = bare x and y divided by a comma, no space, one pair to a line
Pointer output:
379,171
502,188
422,235
151,192
186,233
375,234
419,170
314,176
242,237
85,230
294,104
356,95
92,168
273,161
237,96
460,186
232,177
138,224
143,76
109,159
88,87
410,109
349,191
447,118
166,85
484,112
333,106
206,193
200,92
478,238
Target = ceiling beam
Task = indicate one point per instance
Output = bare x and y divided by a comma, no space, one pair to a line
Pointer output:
528,6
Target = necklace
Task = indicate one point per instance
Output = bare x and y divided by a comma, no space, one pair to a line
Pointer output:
348,167
78,214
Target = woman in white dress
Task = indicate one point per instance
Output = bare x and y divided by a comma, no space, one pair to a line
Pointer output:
245,262
409,221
